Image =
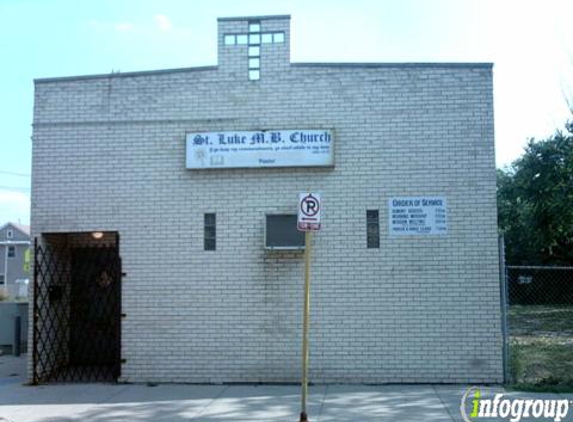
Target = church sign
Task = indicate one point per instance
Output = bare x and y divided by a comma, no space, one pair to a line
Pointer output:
251,149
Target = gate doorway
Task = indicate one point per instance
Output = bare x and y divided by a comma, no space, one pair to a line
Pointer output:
77,308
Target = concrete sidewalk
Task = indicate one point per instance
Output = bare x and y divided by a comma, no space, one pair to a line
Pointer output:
217,403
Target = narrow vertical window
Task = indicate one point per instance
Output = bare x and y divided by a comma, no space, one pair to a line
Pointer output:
9,234
11,251
1,279
210,232
372,229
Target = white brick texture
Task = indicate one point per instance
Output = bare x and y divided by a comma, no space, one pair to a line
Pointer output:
109,154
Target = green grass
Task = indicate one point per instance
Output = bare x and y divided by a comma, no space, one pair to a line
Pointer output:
541,320
541,348
541,388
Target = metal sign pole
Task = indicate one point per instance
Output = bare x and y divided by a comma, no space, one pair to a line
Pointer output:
307,252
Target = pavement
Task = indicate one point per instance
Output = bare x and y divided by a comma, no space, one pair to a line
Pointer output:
216,403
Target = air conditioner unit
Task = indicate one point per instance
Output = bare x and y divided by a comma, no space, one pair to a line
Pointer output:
281,232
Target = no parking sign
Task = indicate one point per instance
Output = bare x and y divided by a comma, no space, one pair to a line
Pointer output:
309,209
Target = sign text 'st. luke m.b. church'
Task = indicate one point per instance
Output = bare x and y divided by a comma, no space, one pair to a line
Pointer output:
274,148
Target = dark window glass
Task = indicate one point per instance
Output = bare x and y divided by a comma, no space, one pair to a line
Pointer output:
372,229
11,251
210,232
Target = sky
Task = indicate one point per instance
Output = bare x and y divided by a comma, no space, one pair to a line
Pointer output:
529,42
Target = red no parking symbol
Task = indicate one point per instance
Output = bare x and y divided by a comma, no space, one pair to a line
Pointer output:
310,206
309,212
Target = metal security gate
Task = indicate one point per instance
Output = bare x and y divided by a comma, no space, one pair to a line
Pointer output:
77,308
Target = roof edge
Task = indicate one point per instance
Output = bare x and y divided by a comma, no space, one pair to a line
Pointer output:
478,65
253,18
124,74
483,65
22,228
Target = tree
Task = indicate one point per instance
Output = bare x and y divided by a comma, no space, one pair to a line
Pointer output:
535,202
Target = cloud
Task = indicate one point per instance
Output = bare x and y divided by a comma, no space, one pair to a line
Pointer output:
163,22
123,26
95,24
14,206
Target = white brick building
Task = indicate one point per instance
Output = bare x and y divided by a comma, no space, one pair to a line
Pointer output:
109,155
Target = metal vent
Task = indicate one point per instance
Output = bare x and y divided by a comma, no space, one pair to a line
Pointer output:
281,232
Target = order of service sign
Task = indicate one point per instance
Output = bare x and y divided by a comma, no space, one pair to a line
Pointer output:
421,215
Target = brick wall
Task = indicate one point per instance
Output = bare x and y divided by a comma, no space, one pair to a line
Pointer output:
109,154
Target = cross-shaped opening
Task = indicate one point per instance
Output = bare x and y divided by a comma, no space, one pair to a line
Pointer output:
253,39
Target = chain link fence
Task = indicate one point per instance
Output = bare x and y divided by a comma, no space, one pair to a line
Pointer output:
539,315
